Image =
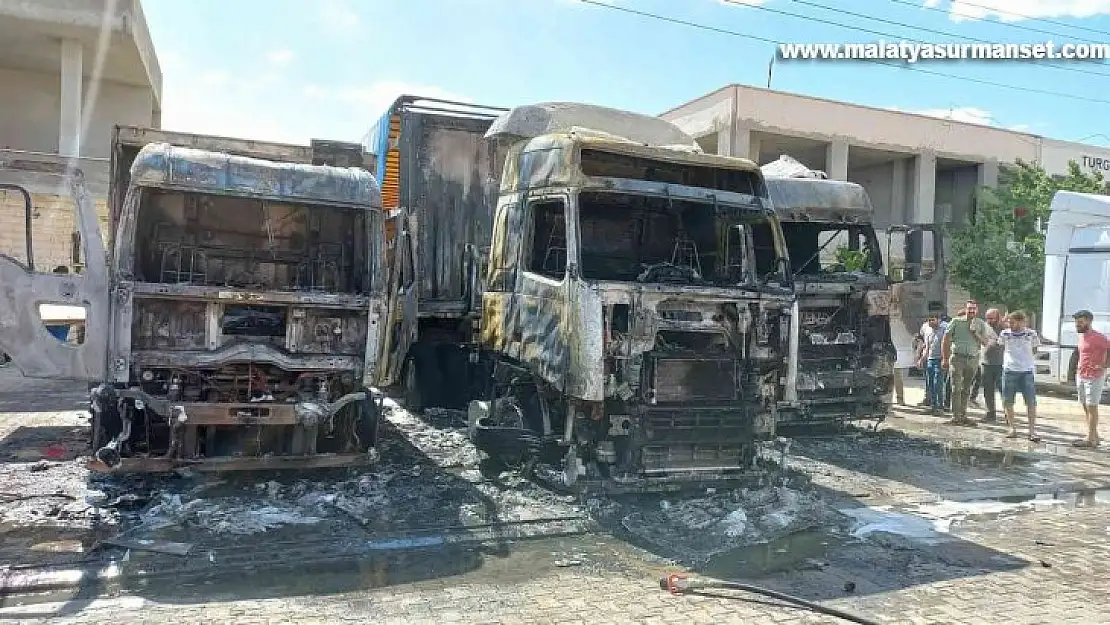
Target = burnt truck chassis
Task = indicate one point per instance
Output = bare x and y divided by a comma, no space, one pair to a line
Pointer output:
131,425
845,357
223,358
676,417
687,373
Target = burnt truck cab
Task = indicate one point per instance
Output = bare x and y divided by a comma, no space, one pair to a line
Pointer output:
235,322
844,350
637,307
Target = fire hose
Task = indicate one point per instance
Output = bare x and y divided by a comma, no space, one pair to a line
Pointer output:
677,584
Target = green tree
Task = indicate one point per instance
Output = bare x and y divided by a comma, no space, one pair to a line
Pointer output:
999,257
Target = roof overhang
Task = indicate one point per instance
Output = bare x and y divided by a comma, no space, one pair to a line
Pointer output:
30,33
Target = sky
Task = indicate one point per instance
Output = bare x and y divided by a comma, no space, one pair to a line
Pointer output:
291,70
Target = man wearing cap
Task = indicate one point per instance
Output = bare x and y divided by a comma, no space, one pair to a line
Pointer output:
1090,373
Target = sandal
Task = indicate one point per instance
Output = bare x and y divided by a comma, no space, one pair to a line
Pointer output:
1033,438
1083,444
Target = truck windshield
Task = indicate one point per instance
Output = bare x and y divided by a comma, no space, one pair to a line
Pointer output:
635,238
824,248
217,240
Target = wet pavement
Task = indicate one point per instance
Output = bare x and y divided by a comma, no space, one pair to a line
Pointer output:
911,520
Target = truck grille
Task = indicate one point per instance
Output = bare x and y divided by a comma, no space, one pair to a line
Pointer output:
694,379
684,439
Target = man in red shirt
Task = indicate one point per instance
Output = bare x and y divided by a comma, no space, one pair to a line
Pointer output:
1090,373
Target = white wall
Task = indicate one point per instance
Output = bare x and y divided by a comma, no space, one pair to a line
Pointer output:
790,114
878,181
30,104
1056,154
115,104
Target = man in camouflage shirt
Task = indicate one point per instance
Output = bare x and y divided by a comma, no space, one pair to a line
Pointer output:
967,334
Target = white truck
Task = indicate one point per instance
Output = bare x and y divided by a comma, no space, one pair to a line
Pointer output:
1076,277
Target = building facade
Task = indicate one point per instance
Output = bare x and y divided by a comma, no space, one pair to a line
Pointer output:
70,70
917,169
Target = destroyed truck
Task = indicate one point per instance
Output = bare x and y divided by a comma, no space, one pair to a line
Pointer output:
633,325
844,350
235,322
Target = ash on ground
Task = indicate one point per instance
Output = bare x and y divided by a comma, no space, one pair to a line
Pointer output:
694,529
439,434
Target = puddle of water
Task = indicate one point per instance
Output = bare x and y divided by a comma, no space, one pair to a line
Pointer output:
986,458
801,550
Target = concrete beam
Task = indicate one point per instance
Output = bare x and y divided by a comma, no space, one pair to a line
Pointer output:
836,160
925,188
69,121
988,174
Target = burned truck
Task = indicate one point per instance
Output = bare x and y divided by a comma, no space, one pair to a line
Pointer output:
633,324
235,322
844,350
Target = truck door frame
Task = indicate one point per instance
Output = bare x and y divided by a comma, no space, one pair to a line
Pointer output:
911,304
23,335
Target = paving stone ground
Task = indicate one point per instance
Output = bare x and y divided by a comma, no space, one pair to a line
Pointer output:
1044,566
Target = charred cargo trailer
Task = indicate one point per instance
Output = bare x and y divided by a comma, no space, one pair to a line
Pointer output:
844,352
439,185
235,324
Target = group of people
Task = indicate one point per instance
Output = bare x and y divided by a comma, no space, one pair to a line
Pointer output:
998,352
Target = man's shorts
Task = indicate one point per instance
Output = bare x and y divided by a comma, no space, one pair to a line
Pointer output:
1090,390
1014,382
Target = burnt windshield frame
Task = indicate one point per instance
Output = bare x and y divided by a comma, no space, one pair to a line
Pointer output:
602,163
621,236
806,254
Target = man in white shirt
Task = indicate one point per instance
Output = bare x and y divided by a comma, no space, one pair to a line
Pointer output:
1019,362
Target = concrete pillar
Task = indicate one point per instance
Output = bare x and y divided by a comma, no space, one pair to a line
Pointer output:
754,147
724,141
925,188
737,141
69,121
898,212
836,160
988,174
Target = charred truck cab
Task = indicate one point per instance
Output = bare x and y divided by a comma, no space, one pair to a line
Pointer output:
235,323
637,309
844,351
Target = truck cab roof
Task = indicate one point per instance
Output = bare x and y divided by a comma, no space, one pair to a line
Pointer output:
544,118
1069,205
162,165
817,200
572,157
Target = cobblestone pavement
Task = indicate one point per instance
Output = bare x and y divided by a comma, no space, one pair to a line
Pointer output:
1034,567
997,565
916,457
